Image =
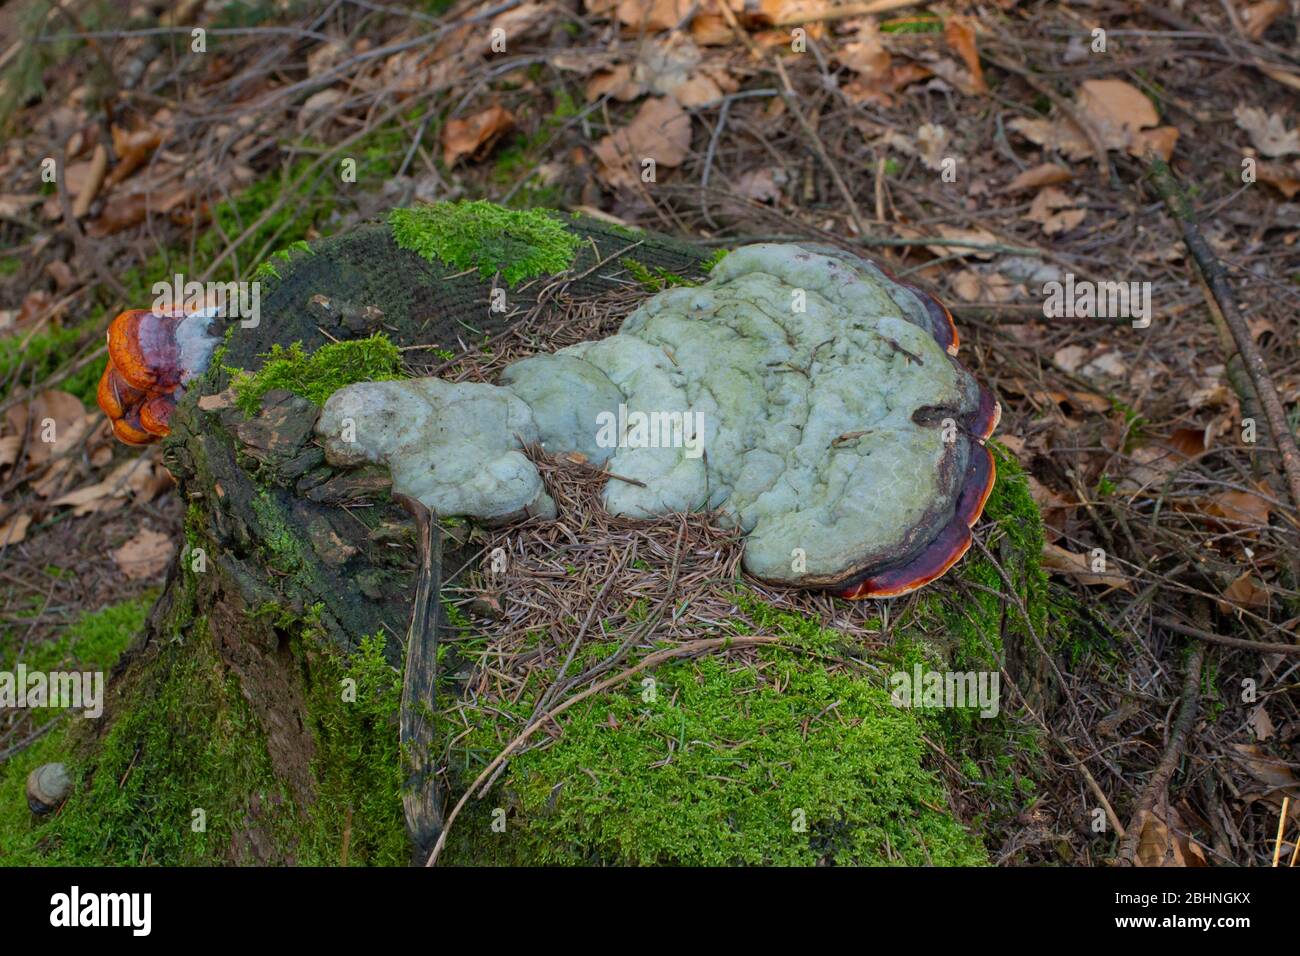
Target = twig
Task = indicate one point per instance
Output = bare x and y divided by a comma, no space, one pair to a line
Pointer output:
1217,279
1260,647
792,101
1169,761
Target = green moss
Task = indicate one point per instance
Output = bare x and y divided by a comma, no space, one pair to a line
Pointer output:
318,375
93,641
518,244
726,763
353,705
42,356
656,279
714,258
283,549
977,620
189,744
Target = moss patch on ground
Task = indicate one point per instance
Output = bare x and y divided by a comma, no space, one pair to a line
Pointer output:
93,642
472,234
183,777
318,375
723,763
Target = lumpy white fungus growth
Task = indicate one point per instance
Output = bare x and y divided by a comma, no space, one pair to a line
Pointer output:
801,393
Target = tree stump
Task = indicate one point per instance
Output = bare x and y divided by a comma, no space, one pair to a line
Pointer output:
255,718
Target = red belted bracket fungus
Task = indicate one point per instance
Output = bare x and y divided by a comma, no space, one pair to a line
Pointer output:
151,357
803,394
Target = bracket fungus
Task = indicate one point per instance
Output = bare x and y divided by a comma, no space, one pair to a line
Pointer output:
151,357
802,393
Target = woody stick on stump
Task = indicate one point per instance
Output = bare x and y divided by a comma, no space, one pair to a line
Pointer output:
420,787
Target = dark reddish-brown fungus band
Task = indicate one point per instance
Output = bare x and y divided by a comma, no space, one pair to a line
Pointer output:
945,550
945,329
144,371
952,543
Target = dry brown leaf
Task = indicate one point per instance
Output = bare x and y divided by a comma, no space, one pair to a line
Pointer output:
1116,110
653,15
661,131
474,137
1159,141
762,184
1239,507
709,27
1271,771
525,20
9,445
1054,211
981,236
932,142
145,555
866,55
698,91
1047,174
1285,179
973,286
132,148
1164,844
18,204
1258,17
1079,567
124,210
1061,136
616,81
959,31
57,420
1244,592
14,529
1189,441
1070,357
1109,364
88,188
1260,723
1267,131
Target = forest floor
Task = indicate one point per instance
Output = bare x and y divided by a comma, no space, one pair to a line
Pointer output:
983,151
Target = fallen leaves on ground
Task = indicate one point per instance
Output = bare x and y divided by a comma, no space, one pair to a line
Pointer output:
1055,211
959,31
1267,131
145,555
1244,591
13,530
1079,567
1036,177
1118,113
661,131
1162,843
474,137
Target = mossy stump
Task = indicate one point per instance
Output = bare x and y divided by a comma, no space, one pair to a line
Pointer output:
254,717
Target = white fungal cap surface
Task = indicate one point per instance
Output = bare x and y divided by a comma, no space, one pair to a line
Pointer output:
804,395
453,447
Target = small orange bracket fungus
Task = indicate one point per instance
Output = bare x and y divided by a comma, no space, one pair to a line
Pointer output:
151,357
